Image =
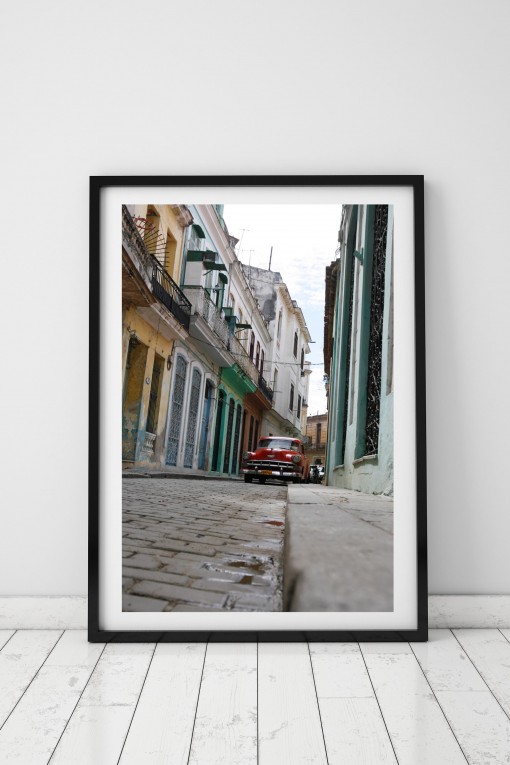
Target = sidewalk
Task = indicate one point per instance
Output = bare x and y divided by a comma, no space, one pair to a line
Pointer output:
338,550
166,471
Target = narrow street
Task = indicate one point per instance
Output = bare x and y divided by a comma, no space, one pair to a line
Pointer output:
202,545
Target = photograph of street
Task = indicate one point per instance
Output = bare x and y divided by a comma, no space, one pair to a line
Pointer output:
257,407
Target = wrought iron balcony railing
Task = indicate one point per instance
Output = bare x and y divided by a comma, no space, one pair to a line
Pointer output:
203,306
242,358
163,286
168,293
264,387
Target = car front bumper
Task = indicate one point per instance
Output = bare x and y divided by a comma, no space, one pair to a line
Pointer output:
284,471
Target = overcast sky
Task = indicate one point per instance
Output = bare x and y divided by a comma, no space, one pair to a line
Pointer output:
304,240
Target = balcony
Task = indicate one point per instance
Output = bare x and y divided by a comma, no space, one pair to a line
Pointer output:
208,325
264,387
154,281
168,293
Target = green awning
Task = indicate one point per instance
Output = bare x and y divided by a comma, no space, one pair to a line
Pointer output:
194,256
214,266
237,380
223,278
199,231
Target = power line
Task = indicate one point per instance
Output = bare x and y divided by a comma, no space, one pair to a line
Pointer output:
245,355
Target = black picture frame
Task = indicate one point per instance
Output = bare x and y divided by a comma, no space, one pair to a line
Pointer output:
98,185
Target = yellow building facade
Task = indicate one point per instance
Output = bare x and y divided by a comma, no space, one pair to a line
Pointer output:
317,435
155,313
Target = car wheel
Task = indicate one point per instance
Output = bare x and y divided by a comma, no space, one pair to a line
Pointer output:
248,478
262,480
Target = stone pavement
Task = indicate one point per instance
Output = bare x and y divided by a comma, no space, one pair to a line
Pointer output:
339,547
202,545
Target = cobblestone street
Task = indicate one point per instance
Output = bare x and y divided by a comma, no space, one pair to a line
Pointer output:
201,545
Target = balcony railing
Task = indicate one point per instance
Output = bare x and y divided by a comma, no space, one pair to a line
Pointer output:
204,307
264,387
242,358
163,286
167,291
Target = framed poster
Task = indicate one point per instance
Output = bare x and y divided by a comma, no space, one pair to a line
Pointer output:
257,409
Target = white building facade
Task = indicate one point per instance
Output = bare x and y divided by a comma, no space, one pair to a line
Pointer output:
285,366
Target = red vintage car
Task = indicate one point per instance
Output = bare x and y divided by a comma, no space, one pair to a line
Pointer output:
276,457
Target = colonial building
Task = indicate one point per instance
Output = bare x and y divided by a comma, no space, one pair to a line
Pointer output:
358,351
211,417
316,438
284,365
155,315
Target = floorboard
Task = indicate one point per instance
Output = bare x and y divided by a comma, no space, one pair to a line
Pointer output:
418,729
489,652
32,731
5,636
162,726
290,730
20,660
226,721
445,702
100,722
354,730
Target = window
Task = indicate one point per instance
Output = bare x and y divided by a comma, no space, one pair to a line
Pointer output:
291,399
151,230
302,359
279,330
252,345
299,406
275,383
262,363
257,355
170,251
318,434
279,443
295,344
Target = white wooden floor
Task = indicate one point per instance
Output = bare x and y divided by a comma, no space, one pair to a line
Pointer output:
65,701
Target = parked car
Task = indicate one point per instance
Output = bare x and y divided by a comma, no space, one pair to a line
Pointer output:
316,473
276,457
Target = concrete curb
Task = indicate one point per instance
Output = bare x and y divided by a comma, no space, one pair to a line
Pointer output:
187,476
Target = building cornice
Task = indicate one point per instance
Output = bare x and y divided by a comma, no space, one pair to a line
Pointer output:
182,214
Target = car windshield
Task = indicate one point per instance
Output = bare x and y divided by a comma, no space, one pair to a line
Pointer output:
279,443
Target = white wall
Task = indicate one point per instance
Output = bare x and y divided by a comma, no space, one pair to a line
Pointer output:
103,88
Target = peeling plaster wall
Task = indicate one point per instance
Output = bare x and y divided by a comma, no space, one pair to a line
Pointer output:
263,283
336,87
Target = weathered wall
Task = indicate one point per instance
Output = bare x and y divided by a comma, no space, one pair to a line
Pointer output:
336,87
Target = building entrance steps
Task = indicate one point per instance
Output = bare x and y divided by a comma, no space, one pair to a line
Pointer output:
338,550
